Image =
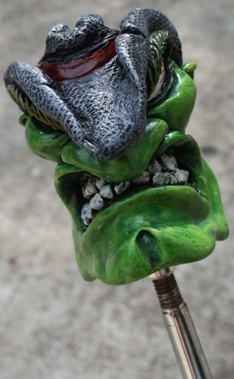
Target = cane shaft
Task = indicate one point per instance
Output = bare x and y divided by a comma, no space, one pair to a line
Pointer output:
186,345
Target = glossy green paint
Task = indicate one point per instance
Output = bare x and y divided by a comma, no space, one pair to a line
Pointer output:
156,227
180,98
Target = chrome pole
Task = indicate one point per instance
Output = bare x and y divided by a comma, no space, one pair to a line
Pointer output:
184,339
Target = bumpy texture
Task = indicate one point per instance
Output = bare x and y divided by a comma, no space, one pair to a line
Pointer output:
111,107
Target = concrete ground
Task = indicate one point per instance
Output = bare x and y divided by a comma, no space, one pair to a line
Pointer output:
52,323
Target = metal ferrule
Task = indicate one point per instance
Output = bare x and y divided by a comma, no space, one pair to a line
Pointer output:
188,351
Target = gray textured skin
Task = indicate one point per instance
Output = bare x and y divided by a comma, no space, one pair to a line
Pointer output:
104,111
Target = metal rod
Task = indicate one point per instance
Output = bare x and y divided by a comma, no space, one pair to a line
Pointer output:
188,351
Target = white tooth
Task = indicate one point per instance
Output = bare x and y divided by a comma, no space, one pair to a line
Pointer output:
181,176
161,178
144,178
154,167
121,187
89,189
106,191
97,202
169,162
86,214
100,182
173,179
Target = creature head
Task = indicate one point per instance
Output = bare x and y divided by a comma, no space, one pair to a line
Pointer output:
111,107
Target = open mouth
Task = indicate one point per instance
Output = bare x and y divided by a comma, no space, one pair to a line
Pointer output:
96,194
171,165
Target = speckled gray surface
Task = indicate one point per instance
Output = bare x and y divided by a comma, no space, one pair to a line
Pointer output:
52,323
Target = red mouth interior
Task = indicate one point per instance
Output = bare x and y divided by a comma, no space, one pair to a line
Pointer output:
77,68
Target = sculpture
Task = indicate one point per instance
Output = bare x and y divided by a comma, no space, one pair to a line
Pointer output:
111,108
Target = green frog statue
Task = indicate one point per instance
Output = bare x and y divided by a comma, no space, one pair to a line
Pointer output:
110,107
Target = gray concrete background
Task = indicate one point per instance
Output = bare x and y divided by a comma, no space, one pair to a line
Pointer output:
52,323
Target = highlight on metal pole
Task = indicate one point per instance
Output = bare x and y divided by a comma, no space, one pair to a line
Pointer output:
184,339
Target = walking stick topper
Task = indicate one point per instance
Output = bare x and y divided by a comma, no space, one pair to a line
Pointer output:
111,107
